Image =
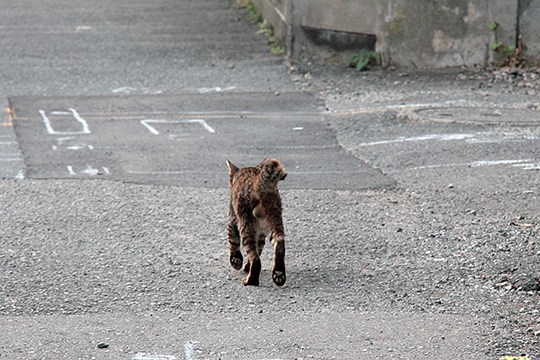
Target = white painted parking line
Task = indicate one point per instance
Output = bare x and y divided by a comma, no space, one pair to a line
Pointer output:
88,170
63,141
497,136
189,353
82,28
429,137
48,125
499,162
293,146
526,164
80,147
143,356
529,166
189,349
123,90
410,106
146,123
171,172
215,89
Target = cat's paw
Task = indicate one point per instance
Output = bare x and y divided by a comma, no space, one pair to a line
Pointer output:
247,267
251,281
236,260
279,277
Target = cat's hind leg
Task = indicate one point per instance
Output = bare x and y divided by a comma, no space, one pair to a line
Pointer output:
278,271
260,246
233,235
249,236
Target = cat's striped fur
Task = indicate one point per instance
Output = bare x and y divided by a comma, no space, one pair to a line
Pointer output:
255,214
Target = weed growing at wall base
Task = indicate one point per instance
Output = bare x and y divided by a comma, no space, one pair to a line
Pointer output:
253,15
276,44
363,58
506,55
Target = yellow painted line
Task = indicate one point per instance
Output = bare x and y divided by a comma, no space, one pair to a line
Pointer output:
190,115
257,115
10,112
10,115
514,358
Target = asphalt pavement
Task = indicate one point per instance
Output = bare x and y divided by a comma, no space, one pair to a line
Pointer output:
411,210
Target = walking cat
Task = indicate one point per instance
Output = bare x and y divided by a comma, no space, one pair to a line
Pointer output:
255,213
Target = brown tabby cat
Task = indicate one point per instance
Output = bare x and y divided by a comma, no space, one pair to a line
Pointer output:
255,213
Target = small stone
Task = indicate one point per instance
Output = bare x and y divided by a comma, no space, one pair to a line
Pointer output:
102,345
450,186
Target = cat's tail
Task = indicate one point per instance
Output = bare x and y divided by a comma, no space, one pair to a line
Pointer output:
272,171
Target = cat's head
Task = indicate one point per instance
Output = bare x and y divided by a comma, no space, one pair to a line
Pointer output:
274,169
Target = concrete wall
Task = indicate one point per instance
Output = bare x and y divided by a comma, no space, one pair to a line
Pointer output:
529,25
436,34
408,33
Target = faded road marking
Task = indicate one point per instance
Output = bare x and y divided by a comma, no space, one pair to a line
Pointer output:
142,356
215,89
526,164
146,123
474,138
189,348
84,125
429,137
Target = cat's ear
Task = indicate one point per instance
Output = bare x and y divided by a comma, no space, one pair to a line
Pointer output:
233,169
261,164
